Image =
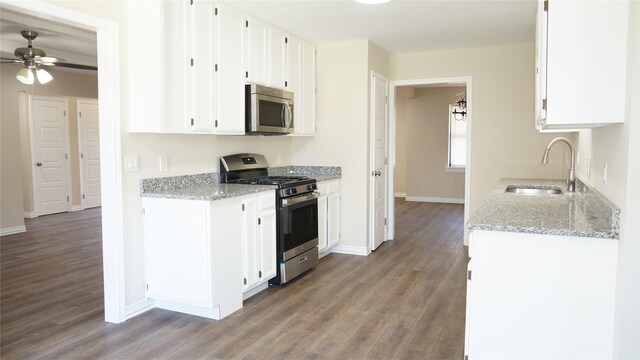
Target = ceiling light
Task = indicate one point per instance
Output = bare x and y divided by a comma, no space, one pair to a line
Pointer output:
372,1
43,76
25,76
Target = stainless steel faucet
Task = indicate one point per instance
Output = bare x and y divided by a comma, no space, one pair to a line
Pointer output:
571,180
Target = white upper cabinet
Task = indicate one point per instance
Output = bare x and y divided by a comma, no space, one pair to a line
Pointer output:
581,60
204,54
277,59
230,26
256,51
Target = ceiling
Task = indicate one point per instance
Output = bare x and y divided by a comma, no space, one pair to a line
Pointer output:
399,26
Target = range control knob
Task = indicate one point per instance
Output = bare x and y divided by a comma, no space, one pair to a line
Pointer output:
312,187
291,191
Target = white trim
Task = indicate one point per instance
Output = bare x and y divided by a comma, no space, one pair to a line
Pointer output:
110,142
401,194
468,81
435,200
76,208
139,308
454,169
253,291
13,230
372,159
211,313
351,250
30,215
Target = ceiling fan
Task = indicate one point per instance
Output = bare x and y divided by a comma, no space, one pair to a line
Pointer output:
33,58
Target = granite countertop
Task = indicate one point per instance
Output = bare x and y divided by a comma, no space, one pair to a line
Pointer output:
207,186
584,213
208,192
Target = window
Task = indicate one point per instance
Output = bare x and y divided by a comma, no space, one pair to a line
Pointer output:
457,138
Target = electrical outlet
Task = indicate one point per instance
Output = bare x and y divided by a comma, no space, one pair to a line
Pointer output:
163,163
604,174
131,162
588,167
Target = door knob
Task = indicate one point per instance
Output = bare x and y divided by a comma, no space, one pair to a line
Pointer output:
378,173
38,163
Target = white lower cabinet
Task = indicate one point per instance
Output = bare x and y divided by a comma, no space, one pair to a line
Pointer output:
328,215
197,253
258,240
532,296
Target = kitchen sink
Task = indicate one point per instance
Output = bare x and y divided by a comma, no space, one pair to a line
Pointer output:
533,190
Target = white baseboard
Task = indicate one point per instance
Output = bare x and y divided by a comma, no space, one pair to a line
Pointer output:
249,293
76,208
211,313
30,214
13,230
351,250
400,194
435,200
138,308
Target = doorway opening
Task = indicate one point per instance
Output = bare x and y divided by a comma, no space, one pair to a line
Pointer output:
424,145
110,137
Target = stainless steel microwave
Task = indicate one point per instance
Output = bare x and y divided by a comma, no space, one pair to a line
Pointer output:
268,111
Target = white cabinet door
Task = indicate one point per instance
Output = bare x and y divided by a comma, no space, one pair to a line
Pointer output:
277,59
582,67
307,93
333,230
250,242
175,67
230,26
322,221
178,251
256,50
267,234
201,80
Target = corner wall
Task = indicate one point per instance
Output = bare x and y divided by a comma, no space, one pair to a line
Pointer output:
504,142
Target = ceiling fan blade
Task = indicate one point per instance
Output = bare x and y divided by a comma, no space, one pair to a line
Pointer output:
73,66
46,59
11,59
10,62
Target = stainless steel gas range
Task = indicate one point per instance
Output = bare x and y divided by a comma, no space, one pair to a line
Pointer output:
296,209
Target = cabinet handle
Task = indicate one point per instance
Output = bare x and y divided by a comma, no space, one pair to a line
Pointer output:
260,274
245,281
305,258
285,84
192,122
216,125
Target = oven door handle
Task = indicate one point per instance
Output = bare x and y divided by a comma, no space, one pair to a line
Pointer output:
300,199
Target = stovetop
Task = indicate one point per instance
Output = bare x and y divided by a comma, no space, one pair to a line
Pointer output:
270,180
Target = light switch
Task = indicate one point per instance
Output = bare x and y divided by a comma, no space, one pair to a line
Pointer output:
131,162
163,163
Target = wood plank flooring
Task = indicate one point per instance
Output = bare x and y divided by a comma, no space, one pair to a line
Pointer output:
404,301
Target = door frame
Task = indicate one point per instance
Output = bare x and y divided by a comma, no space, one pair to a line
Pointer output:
110,142
81,144
372,150
462,80
34,183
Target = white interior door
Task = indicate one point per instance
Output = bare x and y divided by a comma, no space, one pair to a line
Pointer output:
50,155
89,143
378,126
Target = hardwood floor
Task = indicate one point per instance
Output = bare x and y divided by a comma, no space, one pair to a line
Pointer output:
406,300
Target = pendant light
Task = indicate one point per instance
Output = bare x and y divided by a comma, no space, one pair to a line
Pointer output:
43,76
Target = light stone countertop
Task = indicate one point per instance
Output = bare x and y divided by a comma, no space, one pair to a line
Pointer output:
208,192
584,213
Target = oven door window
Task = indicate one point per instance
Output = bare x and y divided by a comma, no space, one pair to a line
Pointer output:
299,224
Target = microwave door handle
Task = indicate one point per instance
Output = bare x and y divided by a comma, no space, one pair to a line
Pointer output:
282,116
290,118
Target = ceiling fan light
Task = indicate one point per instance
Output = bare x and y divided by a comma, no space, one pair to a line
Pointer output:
43,76
25,76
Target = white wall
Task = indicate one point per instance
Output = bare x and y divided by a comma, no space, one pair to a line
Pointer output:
422,140
619,147
342,128
504,143
403,94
